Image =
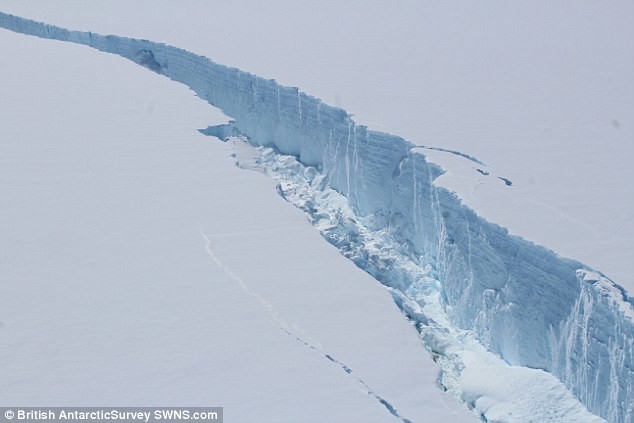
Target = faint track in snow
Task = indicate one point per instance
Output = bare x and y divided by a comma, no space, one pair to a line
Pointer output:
288,330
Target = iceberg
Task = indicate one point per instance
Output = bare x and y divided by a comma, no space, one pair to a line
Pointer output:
521,301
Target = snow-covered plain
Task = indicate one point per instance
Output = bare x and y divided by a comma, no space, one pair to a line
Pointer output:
140,266
541,91
486,188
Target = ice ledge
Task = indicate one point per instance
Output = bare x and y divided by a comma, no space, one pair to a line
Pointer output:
522,301
611,291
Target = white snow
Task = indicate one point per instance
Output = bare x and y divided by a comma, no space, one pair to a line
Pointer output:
540,91
542,96
140,266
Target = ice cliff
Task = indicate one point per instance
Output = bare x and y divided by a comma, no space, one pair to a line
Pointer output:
522,301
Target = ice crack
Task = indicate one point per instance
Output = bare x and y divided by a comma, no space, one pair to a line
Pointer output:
301,339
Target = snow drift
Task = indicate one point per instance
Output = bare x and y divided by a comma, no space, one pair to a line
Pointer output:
522,301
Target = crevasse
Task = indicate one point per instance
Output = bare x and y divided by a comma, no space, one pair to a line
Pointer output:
522,301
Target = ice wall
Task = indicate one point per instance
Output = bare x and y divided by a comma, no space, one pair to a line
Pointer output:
524,302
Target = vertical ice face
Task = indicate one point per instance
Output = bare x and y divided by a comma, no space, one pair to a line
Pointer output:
525,303
597,330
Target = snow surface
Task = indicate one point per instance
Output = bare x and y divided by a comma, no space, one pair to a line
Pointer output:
541,91
136,263
584,310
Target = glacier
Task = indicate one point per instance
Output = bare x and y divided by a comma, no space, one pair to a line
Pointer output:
521,301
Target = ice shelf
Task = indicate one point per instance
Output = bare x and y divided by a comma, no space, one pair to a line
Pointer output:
522,301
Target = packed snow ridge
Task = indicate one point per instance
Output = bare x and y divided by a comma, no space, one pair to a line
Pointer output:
521,302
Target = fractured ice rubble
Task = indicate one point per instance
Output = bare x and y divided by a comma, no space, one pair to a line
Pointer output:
495,390
519,300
